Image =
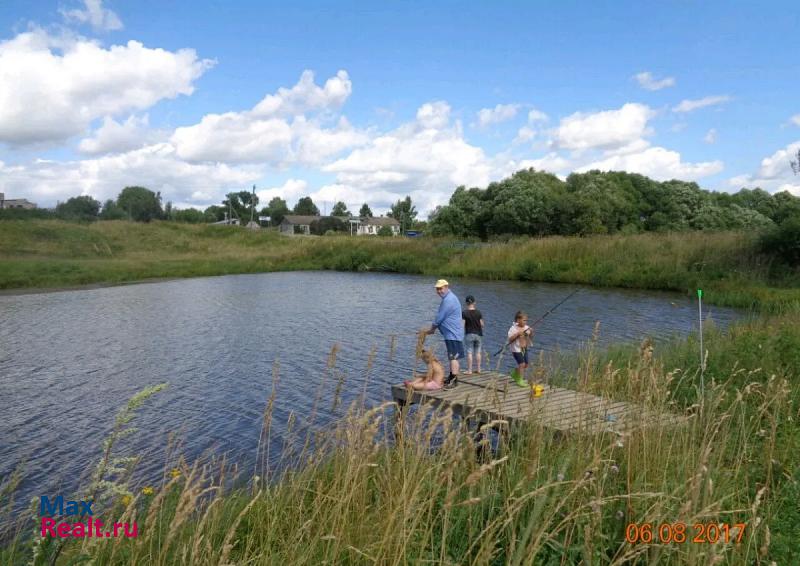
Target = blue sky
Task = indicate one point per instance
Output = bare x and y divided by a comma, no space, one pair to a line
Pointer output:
367,102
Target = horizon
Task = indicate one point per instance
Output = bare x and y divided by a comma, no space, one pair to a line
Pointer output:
363,103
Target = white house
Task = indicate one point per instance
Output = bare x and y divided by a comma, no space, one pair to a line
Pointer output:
370,226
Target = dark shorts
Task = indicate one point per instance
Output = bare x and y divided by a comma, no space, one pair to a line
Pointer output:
455,349
521,357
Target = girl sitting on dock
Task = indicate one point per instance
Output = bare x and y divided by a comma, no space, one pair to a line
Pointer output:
434,375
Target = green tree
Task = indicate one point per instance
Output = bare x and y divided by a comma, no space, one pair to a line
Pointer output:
79,208
340,209
112,212
189,215
214,213
601,203
306,207
327,224
756,199
239,204
140,204
404,212
276,209
786,206
385,231
783,241
463,216
365,211
525,203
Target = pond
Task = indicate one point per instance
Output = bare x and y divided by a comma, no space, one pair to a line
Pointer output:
70,360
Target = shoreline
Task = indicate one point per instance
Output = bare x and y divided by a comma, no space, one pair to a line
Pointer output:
54,256
18,291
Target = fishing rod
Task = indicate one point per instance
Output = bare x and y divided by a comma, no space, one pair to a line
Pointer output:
540,319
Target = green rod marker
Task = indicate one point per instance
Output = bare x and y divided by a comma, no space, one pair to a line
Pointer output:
699,293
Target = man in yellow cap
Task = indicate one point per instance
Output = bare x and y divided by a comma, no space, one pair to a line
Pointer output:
448,321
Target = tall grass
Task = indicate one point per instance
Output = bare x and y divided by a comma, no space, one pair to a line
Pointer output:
51,253
358,496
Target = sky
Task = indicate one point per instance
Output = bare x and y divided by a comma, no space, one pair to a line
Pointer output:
374,101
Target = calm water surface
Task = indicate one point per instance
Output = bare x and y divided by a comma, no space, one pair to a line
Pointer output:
70,360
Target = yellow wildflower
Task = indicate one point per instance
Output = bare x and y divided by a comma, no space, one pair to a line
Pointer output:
175,473
147,490
126,500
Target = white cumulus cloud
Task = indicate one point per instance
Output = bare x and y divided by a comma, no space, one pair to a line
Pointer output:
306,96
500,113
552,163
116,137
52,88
711,136
690,105
647,81
426,159
778,165
156,167
291,191
277,132
603,130
95,15
657,163
537,116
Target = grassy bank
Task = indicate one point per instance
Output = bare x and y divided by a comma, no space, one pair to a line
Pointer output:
541,499
51,254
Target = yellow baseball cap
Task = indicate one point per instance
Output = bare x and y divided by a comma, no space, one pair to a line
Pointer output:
442,283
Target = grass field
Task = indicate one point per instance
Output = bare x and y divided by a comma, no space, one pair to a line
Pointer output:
53,254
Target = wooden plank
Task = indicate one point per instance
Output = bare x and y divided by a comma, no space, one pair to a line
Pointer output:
492,395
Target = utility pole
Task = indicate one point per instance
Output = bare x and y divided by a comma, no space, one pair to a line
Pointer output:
252,203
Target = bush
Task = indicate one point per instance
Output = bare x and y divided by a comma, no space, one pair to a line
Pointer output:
783,241
189,215
83,208
25,213
385,231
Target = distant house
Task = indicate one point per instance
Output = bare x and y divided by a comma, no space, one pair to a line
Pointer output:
358,226
370,226
15,203
293,224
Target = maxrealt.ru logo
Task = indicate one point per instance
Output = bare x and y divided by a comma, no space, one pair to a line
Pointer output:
66,527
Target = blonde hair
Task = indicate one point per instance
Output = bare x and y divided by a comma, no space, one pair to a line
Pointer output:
427,356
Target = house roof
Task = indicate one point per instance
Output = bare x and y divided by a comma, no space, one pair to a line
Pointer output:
300,220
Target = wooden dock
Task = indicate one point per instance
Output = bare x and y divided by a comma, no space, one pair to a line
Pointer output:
491,396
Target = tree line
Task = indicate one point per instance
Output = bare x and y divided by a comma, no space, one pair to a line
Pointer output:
529,202
537,203
140,204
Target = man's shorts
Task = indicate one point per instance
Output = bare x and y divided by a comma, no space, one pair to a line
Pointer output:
455,349
521,357
473,343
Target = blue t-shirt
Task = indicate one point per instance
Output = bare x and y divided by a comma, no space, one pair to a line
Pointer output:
448,319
